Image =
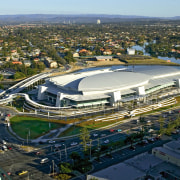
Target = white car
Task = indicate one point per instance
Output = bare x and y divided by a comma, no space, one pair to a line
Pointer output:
106,141
4,148
57,145
51,141
144,141
95,135
74,143
102,135
4,142
45,160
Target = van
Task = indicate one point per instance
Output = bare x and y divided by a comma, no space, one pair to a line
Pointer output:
45,160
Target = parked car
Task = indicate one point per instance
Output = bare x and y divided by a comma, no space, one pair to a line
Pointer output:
144,141
151,139
4,175
57,145
133,148
119,130
4,148
45,160
132,115
74,143
95,135
51,141
4,142
106,141
22,173
102,135
9,147
38,153
111,130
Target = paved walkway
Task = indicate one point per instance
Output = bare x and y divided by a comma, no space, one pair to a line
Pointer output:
53,134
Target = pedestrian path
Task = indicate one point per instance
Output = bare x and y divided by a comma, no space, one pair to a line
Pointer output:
53,134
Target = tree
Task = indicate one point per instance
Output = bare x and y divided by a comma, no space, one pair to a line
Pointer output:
142,120
75,156
1,77
177,121
69,57
63,177
19,75
130,139
161,123
1,86
65,168
93,178
85,137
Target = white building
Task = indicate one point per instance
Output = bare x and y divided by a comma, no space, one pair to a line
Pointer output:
107,86
130,51
50,63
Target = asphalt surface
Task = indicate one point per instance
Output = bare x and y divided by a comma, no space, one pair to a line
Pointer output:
17,159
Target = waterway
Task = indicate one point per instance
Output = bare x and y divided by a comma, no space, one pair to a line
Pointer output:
133,67
142,48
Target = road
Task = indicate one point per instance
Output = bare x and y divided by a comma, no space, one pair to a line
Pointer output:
17,159
4,134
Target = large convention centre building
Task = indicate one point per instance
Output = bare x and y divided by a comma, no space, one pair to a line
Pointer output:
107,86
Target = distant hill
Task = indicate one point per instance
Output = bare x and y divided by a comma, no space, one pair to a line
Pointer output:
78,18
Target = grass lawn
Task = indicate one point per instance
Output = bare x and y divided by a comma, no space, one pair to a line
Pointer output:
90,125
152,61
74,130
37,126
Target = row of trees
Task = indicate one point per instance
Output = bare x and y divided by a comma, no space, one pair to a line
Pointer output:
169,128
83,164
22,71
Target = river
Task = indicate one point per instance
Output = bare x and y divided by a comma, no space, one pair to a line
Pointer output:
142,48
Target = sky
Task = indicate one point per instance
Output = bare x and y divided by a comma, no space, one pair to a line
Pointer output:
153,8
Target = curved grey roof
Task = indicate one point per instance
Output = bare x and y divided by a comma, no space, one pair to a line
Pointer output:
112,80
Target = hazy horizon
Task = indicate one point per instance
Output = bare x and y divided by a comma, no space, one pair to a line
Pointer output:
153,8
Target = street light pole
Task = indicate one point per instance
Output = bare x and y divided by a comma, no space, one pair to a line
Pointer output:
60,154
28,134
90,149
65,151
27,138
98,144
53,167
